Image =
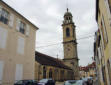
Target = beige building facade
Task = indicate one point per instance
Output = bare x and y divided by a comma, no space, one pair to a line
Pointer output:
103,41
17,46
70,44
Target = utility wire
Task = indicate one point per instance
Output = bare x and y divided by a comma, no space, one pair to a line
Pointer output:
62,42
53,41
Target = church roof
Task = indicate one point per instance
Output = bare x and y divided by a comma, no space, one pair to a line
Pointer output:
50,61
67,13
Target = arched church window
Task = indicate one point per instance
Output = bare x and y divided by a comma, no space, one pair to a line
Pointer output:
67,32
44,72
50,73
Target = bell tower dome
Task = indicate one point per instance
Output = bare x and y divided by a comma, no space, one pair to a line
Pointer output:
70,44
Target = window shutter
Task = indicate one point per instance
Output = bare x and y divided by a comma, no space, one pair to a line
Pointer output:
1,71
21,45
11,20
3,37
18,24
108,7
0,10
19,72
110,62
27,30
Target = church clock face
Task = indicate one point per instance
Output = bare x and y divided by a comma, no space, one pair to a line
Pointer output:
68,49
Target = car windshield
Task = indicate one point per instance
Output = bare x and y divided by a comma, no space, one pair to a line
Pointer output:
43,80
21,82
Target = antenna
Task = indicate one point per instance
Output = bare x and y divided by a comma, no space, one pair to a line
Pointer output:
66,3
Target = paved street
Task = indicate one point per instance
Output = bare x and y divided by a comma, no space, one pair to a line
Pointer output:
95,82
59,83
62,83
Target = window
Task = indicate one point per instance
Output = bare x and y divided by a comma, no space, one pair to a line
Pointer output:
50,73
19,72
44,72
21,45
1,71
109,1
67,32
4,16
109,70
22,27
104,32
108,5
3,37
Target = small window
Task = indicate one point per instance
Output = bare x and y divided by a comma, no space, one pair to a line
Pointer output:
67,32
4,16
22,27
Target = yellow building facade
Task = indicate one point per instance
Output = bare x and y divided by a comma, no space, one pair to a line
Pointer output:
17,46
103,37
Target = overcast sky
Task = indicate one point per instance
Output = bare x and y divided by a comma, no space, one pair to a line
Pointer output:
48,16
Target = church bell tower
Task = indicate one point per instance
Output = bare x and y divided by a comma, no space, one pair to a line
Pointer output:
70,44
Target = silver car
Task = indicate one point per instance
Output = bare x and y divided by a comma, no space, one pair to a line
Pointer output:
73,82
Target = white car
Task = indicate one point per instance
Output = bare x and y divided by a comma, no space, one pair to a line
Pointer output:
73,82
46,82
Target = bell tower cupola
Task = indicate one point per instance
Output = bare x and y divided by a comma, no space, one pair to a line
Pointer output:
68,17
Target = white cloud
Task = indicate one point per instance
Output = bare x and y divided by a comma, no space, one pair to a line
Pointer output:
48,16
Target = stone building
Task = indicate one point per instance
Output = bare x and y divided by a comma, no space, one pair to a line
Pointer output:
102,44
49,67
70,44
88,71
17,46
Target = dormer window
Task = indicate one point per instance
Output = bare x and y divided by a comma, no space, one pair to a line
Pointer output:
22,27
4,16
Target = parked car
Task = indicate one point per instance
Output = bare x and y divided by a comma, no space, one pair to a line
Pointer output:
46,82
73,82
80,82
26,82
70,82
88,80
